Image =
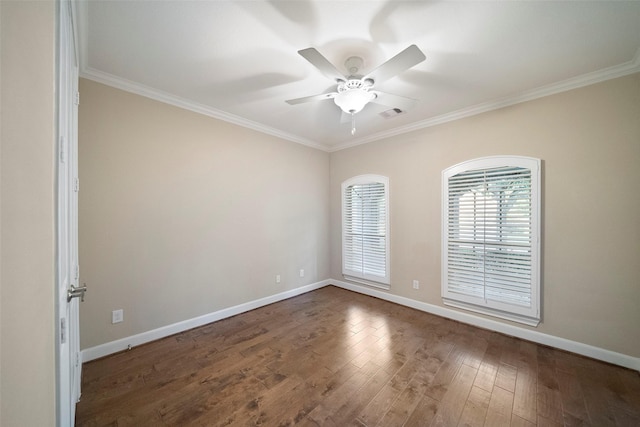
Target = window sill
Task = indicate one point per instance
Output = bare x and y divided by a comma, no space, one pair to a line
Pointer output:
530,321
384,286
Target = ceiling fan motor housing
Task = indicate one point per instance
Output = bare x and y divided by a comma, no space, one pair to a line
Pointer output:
353,64
354,84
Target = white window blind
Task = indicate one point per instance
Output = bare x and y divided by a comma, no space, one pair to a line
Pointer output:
365,214
491,237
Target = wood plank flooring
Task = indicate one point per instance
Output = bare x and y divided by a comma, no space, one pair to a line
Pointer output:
337,358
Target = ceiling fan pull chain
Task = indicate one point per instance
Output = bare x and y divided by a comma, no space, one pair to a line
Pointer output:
353,123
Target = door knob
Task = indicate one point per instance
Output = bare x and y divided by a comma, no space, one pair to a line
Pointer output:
74,292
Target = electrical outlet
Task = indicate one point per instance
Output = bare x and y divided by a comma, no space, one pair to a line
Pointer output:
301,273
416,284
117,316
277,278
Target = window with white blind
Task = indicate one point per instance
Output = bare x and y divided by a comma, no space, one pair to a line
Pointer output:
365,229
491,237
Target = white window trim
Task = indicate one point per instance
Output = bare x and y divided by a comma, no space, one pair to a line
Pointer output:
370,280
531,315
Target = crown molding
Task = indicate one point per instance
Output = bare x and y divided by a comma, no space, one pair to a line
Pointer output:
176,101
621,70
81,20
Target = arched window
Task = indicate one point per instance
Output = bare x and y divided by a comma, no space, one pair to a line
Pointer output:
365,229
491,237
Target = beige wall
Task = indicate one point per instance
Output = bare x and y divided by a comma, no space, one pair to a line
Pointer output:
589,141
182,215
27,271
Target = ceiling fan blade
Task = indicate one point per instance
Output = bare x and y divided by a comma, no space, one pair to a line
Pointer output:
322,64
396,101
403,61
311,98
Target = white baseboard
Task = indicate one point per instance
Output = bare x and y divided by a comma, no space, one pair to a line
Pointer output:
106,349
515,331
507,329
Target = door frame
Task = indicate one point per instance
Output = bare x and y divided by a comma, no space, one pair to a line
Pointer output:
68,363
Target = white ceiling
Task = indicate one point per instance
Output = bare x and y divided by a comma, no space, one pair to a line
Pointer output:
238,60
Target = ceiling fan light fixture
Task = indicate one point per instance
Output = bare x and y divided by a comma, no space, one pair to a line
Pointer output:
352,101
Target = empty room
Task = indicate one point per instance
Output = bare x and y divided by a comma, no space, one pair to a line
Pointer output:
321,213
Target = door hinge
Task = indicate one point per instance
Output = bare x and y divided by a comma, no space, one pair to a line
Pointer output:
77,271
63,330
63,149
77,98
76,184
77,358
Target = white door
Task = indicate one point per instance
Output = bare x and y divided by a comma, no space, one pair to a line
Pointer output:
69,290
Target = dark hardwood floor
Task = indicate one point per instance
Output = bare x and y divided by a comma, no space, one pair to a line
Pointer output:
337,358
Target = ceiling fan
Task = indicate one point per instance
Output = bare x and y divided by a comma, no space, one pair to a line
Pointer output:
355,91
